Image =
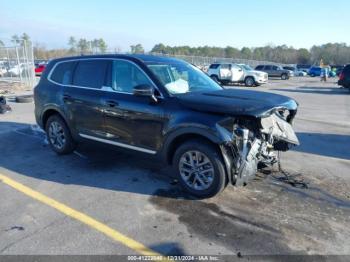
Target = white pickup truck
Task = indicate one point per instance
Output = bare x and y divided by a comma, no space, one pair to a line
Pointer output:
227,73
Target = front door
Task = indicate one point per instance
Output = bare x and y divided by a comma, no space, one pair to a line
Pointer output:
275,71
268,70
133,122
237,73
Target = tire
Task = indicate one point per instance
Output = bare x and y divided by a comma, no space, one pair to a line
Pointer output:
215,78
24,99
216,179
312,75
284,76
59,135
249,81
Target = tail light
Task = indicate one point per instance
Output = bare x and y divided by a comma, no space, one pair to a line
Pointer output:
341,76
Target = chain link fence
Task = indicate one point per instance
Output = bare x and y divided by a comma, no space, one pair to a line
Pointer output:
204,62
17,64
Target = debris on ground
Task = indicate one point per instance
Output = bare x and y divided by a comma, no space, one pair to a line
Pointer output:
24,99
4,108
294,180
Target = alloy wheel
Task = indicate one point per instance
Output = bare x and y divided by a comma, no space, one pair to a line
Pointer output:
57,135
196,170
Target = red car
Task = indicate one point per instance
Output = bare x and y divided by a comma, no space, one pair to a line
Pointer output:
39,69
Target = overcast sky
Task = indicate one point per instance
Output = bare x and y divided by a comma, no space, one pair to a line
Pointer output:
183,22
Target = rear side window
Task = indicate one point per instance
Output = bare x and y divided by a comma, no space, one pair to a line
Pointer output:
90,73
214,66
268,67
63,73
259,67
225,66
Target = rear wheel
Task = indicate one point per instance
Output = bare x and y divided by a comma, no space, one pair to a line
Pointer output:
284,76
215,78
200,168
249,81
59,136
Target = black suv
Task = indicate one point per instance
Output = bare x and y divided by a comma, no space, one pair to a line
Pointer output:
167,108
344,77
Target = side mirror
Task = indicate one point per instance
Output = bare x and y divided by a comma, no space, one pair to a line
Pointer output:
143,90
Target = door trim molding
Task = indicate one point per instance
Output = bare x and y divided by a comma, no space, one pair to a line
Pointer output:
136,148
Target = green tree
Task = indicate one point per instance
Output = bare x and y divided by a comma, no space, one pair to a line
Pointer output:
102,46
303,56
15,39
137,49
246,53
159,48
231,52
72,43
25,37
83,46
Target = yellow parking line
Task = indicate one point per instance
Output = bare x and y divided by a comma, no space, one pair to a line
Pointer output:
112,233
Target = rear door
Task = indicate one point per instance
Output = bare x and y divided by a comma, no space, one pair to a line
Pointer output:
84,97
225,72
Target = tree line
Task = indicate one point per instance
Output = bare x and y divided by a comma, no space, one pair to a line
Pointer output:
76,46
331,53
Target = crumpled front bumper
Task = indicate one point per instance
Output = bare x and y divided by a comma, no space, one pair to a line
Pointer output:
279,129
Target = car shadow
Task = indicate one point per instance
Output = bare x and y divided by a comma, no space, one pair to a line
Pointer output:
25,152
329,145
315,90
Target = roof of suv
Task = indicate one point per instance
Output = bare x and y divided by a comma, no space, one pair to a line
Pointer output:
142,57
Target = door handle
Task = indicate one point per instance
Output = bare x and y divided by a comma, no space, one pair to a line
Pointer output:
111,103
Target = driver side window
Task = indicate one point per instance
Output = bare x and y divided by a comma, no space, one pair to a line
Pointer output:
125,76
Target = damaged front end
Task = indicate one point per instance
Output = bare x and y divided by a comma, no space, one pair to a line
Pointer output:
251,142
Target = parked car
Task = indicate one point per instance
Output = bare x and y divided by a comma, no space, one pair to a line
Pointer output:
16,70
295,71
236,73
303,67
39,68
274,71
167,108
315,71
344,77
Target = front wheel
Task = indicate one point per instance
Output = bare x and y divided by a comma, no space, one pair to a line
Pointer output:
284,76
59,136
249,81
200,169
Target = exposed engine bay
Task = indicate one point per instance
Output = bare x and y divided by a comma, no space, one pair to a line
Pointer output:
255,141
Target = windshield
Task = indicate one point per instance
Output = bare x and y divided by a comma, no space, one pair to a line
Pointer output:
246,67
180,77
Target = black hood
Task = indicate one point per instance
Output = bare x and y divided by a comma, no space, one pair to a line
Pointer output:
236,102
